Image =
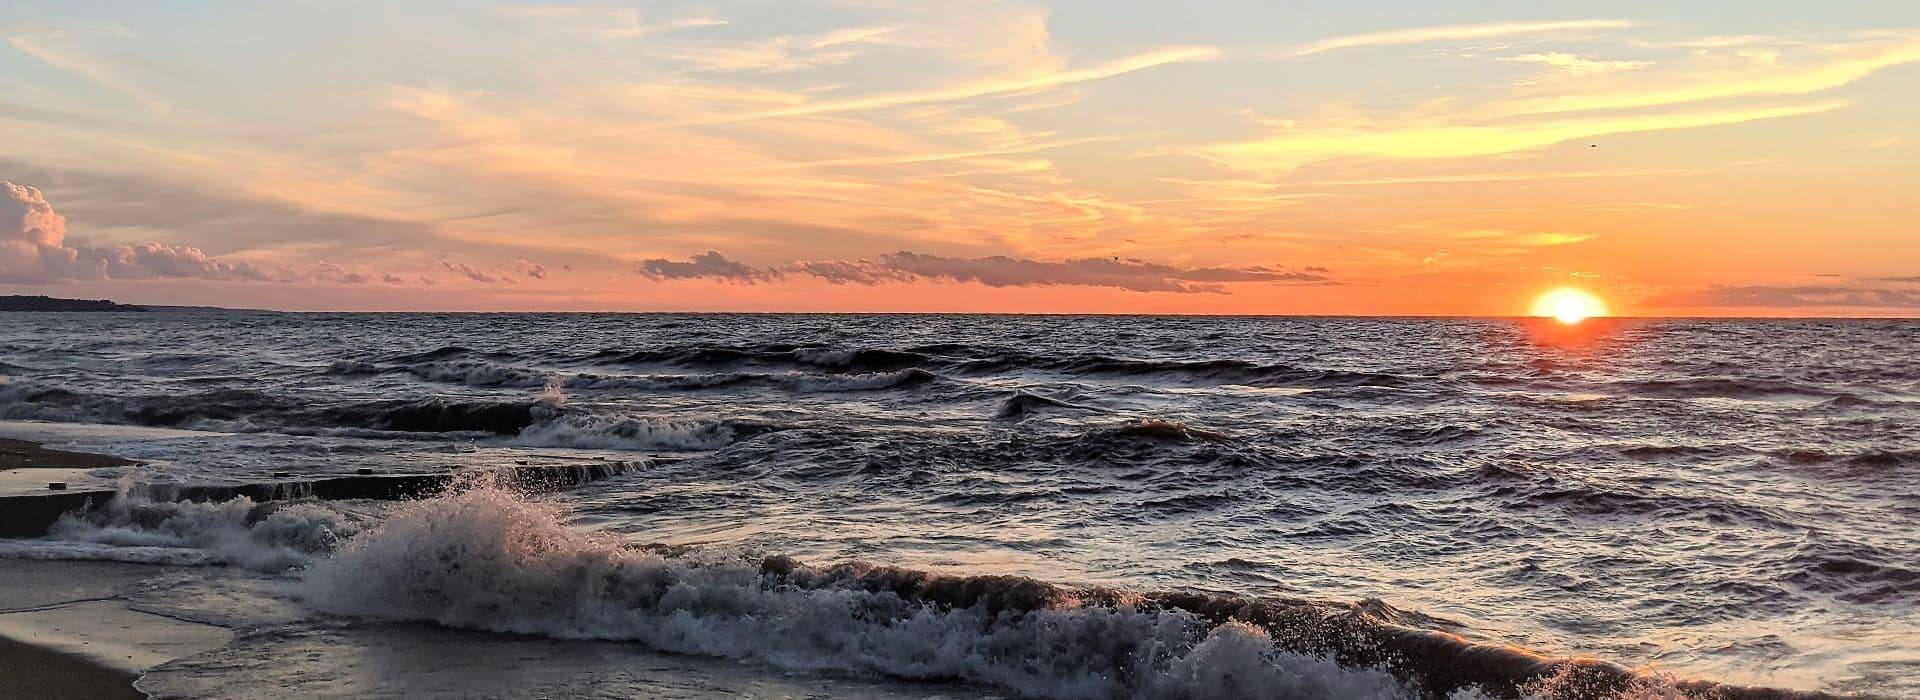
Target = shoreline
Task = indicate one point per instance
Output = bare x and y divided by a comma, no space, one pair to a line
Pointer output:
67,630
76,629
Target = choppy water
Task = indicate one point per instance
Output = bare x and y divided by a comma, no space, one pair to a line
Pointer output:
1725,500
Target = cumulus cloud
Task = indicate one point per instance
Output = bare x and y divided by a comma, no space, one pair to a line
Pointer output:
993,271
34,249
1802,296
709,265
531,269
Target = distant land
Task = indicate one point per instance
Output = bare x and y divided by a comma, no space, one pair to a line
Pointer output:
44,303
21,302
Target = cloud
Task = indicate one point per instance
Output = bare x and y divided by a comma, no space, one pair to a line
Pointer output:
34,249
777,55
1587,99
1003,271
1787,297
43,48
621,22
708,265
1290,147
1722,75
852,35
332,272
1575,64
1529,239
1455,32
992,271
474,273
531,269
786,53
986,87
865,272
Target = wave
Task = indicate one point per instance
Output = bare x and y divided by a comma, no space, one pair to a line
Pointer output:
482,558
964,359
638,433
246,410
1724,388
1855,573
136,527
1022,404
488,374
1155,430
535,422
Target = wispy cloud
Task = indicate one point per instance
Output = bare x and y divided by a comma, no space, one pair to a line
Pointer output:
1722,77
1454,32
1573,63
985,87
853,35
778,55
47,49
1587,99
614,22
1293,146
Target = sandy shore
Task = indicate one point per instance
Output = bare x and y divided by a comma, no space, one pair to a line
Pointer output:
67,630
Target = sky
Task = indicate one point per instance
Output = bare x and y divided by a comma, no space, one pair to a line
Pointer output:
1718,157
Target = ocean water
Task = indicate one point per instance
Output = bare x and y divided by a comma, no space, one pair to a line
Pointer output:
1721,500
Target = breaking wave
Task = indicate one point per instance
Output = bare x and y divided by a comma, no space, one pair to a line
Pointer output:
483,558
136,526
638,433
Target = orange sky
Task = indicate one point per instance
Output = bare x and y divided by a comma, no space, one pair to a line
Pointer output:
1720,158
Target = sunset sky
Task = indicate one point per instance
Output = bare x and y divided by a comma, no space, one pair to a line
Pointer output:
1722,157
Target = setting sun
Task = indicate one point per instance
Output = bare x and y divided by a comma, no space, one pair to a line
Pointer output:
1568,305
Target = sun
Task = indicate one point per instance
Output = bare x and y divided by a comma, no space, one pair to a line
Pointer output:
1568,305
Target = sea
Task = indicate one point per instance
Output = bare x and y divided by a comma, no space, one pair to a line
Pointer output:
1043,506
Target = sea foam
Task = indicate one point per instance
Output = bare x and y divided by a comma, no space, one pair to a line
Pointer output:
484,558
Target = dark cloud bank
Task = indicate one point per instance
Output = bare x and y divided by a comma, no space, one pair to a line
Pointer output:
1903,293
993,271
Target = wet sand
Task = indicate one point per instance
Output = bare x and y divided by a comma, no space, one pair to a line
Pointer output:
67,630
